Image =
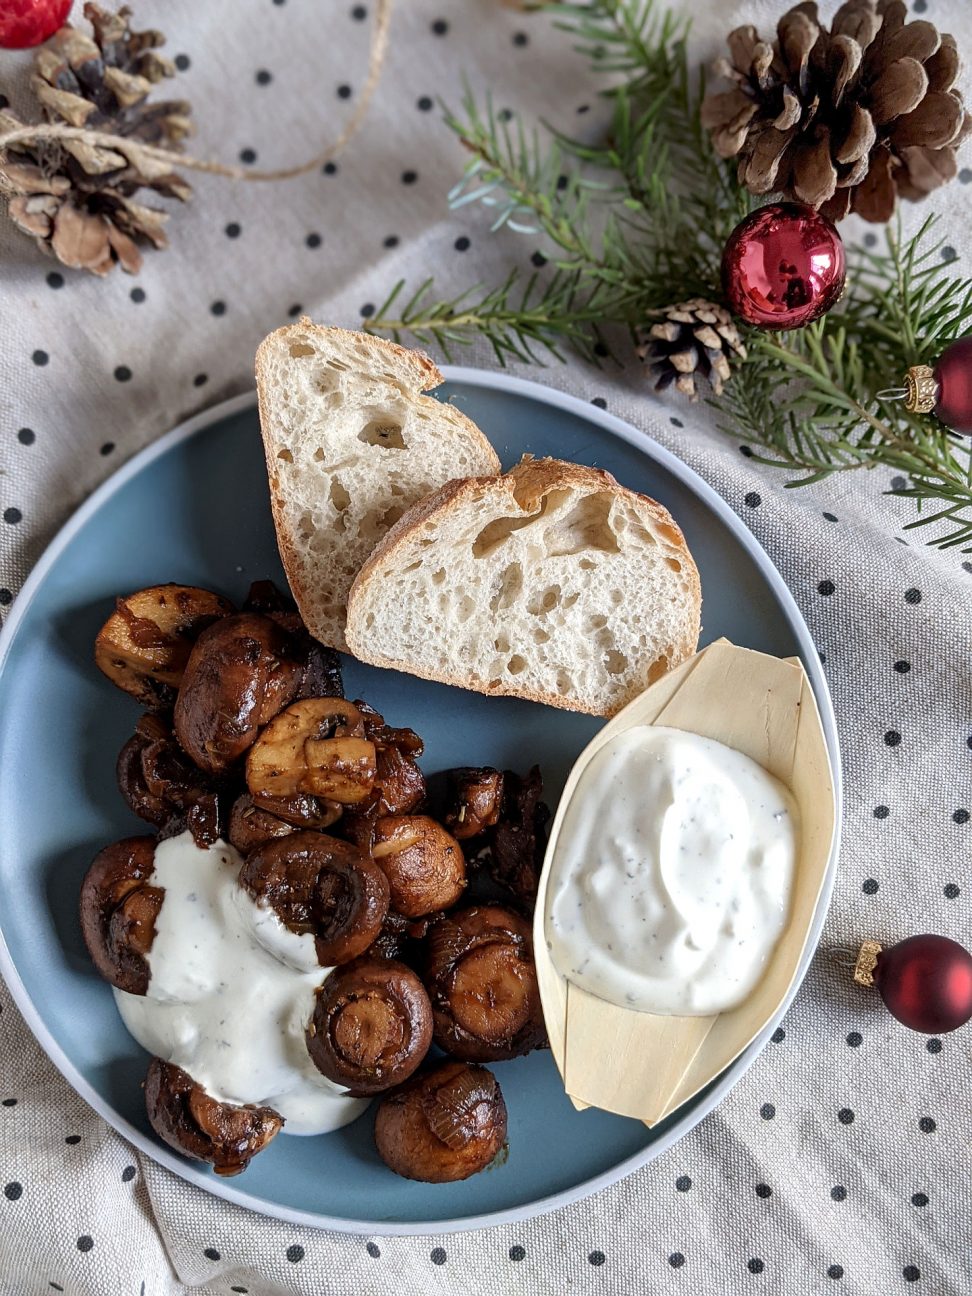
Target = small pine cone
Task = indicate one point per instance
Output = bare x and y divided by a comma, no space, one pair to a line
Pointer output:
845,120
695,340
77,199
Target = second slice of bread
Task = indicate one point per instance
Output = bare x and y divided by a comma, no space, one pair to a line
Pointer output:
351,443
552,583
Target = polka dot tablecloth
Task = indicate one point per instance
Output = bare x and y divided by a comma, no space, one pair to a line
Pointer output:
840,1162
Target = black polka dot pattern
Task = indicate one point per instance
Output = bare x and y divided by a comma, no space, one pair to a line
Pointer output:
517,1253
838,1193
295,1253
438,1256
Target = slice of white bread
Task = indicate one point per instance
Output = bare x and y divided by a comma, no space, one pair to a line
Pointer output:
552,583
351,444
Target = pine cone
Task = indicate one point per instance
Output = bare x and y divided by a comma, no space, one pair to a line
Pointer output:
77,198
845,119
696,339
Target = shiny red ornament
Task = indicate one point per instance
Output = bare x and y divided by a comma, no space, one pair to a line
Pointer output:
783,267
925,981
30,22
953,373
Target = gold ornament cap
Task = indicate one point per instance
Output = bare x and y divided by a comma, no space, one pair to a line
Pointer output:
867,957
921,389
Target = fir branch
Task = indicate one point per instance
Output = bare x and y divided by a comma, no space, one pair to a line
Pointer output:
522,319
808,400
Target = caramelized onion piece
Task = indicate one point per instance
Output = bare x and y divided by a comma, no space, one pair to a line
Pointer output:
443,1125
144,645
423,863
316,746
226,1135
118,912
241,672
322,667
372,1026
483,985
317,884
475,801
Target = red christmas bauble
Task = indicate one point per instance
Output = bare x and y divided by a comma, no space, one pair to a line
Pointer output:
926,982
783,267
953,373
30,22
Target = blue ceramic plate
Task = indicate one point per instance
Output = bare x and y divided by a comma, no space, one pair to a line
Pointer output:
193,508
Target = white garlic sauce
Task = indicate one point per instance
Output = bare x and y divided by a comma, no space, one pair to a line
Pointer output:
232,992
671,877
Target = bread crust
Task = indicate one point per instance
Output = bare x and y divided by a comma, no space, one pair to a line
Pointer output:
524,485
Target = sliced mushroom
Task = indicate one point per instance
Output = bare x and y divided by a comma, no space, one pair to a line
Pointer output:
241,672
482,982
227,1135
250,826
514,848
162,785
372,1026
301,810
317,884
316,746
442,1125
118,912
423,863
144,645
475,801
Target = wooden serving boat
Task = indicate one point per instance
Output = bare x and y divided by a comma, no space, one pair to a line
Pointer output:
645,1065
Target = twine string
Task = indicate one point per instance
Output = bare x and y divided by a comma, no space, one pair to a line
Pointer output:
126,145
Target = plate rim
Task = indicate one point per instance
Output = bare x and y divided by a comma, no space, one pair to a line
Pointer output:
497,380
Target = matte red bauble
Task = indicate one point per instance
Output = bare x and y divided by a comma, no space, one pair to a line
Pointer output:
783,267
30,22
925,981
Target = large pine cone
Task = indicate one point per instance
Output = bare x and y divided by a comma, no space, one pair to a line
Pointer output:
77,198
845,119
694,341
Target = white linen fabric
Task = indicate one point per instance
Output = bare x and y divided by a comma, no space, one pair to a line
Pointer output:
840,1161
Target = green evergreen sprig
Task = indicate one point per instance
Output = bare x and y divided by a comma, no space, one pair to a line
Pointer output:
637,220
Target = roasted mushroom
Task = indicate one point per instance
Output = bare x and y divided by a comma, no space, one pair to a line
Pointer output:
482,983
251,826
443,1125
317,884
423,863
316,746
255,820
226,1135
322,668
118,912
513,850
400,938
241,672
372,1026
144,645
163,786
475,800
